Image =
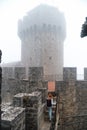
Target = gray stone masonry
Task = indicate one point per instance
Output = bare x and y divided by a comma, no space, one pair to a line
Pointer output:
81,97
19,72
35,73
0,86
11,87
8,72
34,112
13,118
72,95
5,106
67,99
85,73
17,82
14,72
72,99
32,102
44,93
19,99
35,77
69,74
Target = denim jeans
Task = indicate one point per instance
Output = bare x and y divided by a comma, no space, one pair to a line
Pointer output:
50,112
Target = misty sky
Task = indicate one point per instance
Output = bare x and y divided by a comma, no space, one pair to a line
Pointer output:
75,48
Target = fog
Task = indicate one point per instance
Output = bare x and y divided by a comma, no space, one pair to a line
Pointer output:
75,48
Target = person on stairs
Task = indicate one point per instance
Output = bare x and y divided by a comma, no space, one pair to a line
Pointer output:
49,105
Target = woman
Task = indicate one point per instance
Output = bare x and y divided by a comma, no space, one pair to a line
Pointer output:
49,105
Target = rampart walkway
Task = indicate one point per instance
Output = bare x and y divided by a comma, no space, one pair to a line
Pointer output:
46,125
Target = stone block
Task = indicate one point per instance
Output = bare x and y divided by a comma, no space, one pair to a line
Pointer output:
20,100
20,72
8,72
13,119
85,73
69,74
44,94
35,73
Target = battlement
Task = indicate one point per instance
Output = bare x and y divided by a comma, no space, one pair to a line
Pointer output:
50,20
41,30
69,73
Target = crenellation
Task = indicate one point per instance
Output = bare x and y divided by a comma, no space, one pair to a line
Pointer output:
33,108
13,119
35,80
69,74
43,35
81,88
26,87
8,72
0,86
19,72
85,73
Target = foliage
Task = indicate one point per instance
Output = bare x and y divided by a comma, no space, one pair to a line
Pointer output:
84,29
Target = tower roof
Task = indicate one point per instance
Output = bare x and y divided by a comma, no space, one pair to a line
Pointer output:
42,14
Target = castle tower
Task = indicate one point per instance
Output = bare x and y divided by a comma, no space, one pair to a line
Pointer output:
42,32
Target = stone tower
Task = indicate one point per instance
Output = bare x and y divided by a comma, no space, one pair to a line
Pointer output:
42,32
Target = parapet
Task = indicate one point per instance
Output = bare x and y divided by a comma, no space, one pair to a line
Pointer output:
20,73
69,74
85,73
49,19
15,73
14,117
36,73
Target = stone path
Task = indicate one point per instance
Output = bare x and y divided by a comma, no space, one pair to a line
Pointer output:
46,125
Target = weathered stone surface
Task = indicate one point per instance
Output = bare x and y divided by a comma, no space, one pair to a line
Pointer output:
69,73
81,97
7,72
72,95
0,86
34,109
19,72
72,101
42,39
85,73
20,99
34,113
12,85
44,93
13,119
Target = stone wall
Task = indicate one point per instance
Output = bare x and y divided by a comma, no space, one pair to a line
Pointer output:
72,93
81,97
33,109
42,39
0,86
13,118
34,112
69,74
14,72
72,100
67,98
35,77
10,87
14,81
85,73
20,72
67,92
